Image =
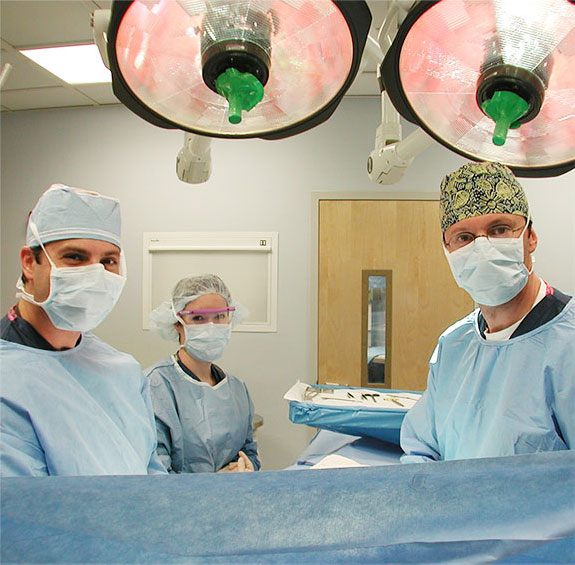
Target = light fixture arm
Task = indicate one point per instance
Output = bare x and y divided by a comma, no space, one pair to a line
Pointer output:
193,164
372,54
100,22
391,156
386,165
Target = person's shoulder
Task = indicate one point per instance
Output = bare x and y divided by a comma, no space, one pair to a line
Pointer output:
564,320
94,347
21,354
92,342
460,328
237,383
234,379
161,371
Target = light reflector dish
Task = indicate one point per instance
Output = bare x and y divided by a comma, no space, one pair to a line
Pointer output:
432,74
158,50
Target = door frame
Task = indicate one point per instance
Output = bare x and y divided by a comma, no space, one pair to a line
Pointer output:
316,198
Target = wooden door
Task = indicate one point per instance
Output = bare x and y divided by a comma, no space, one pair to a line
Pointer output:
402,237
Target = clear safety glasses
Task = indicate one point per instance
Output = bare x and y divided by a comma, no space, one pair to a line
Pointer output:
207,315
500,230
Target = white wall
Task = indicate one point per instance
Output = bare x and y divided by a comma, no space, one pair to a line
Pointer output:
256,185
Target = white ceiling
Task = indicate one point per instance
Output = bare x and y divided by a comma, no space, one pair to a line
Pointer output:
35,23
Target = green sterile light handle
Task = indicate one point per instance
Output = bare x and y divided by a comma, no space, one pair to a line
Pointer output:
504,108
243,91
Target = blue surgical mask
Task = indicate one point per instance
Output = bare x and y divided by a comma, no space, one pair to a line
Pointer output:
80,297
492,270
206,342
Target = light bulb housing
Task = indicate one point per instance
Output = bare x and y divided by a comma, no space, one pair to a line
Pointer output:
425,68
276,118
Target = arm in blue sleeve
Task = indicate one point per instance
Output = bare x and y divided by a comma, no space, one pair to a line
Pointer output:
164,449
21,454
563,384
250,447
418,434
156,464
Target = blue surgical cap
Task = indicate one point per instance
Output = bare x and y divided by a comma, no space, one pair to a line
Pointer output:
64,212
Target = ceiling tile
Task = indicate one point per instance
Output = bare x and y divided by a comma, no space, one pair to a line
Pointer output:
58,97
25,73
101,4
45,22
100,93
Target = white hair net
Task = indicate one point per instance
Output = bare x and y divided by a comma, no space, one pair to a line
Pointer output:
163,318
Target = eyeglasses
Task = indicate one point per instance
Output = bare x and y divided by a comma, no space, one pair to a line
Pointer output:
206,315
497,231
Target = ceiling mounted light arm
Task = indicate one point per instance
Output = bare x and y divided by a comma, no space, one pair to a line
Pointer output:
392,154
193,164
100,22
490,80
372,54
236,68
396,12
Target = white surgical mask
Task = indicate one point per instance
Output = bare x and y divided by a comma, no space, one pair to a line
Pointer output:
492,270
206,342
80,297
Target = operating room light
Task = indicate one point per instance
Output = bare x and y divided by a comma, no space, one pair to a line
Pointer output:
237,69
490,79
74,64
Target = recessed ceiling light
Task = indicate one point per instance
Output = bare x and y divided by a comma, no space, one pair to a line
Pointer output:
74,64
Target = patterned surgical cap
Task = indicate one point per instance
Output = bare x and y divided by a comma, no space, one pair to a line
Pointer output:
476,189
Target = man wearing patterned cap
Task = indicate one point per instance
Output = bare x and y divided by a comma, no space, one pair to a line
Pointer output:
502,380
71,404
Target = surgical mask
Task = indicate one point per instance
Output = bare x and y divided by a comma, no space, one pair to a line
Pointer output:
492,270
207,342
80,297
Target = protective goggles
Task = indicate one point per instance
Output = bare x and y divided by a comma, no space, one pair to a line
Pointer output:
206,315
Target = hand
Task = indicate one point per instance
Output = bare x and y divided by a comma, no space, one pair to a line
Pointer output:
242,465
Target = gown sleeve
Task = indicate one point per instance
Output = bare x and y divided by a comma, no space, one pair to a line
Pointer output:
563,397
156,465
250,447
418,434
21,454
163,410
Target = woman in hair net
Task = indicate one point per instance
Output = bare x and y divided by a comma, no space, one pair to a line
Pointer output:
203,415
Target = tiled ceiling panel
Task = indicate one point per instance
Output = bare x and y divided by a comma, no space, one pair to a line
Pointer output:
57,97
25,73
45,22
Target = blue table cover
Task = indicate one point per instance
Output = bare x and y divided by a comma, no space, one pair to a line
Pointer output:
379,423
512,509
364,450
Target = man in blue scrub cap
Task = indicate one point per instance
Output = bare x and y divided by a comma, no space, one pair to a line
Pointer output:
70,403
502,380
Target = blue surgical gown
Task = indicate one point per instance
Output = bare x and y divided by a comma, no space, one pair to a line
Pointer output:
83,411
201,428
496,398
